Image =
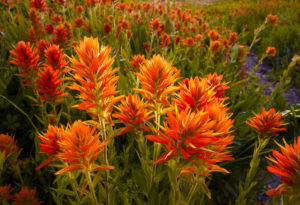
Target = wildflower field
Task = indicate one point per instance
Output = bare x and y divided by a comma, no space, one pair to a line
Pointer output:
149,102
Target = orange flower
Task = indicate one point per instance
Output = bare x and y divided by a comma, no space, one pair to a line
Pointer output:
137,62
232,38
5,193
79,22
157,78
189,41
267,123
39,4
55,58
48,85
194,94
107,28
8,145
133,113
273,19
26,196
214,81
287,165
95,79
80,147
154,24
215,46
213,35
165,40
27,59
50,143
271,51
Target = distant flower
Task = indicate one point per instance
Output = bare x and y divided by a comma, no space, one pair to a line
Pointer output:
39,4
213,35
26,196
215,46
157,78
133,113
267,123
189,41
8,145
49,85
273,19
5,192
232,38
80,147
271,51
107,28
137,62
49,28
80,9
165,40
286,164
79,22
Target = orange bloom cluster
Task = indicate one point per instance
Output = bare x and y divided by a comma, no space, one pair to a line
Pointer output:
273,19
133,113
55,58
78,145
94,78
157,78
27,59
137,62
48,85
267,123
26,196
39,4
199,127
271,51
286,164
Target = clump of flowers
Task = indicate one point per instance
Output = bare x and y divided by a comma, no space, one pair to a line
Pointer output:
5,193
286,164
26,196
133,113
273,19
267,123
8,147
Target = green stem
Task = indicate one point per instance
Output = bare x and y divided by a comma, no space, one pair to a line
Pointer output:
91,187
254,163
191,193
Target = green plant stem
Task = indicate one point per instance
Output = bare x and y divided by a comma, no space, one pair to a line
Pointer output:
191,192
157,146
104,138
254,163
91,187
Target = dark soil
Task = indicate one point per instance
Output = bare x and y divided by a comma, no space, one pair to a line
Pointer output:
292,94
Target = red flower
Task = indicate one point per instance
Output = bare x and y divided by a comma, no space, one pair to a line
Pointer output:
48,85
273,19
214,81
286,164
107,28
8,145
157,78
213,35
232,38
55,58
194,94
137,62
39,4
5,193
95,79
49,28
133,113
215,46
80,147
79,22
267,123
165,40
26,196
27,59
50,143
